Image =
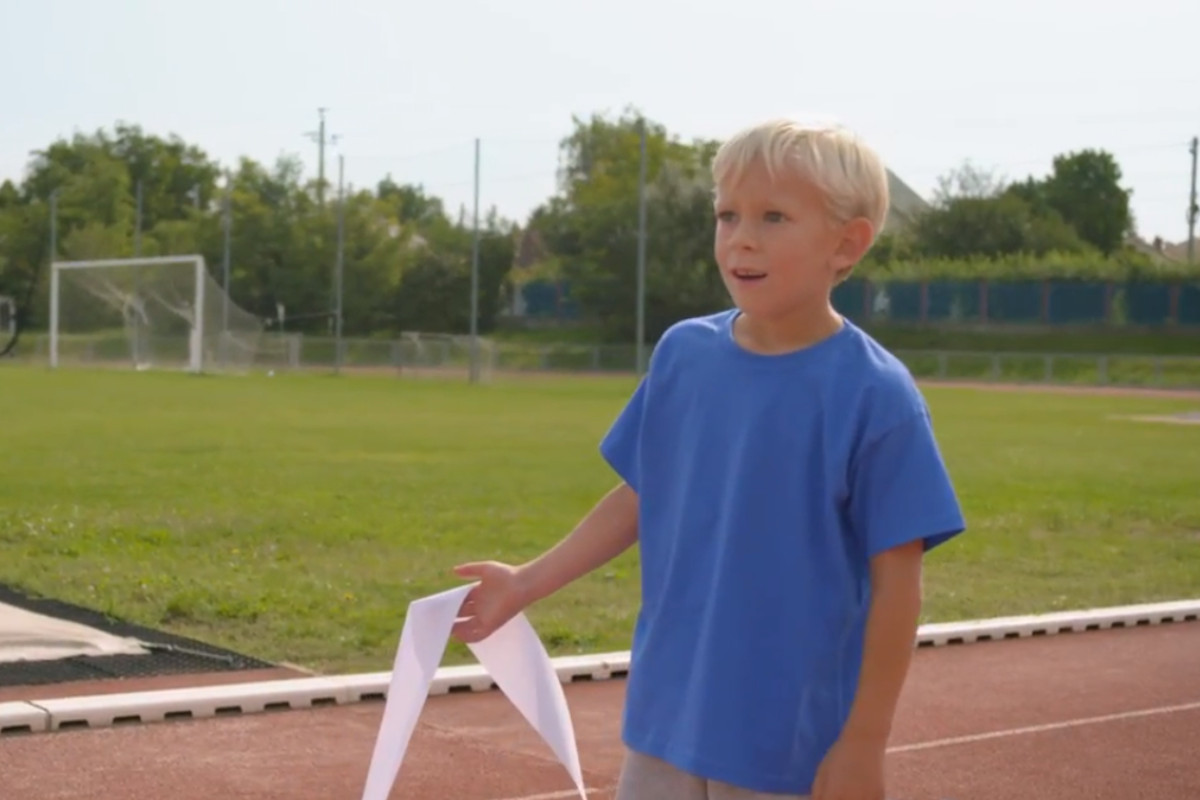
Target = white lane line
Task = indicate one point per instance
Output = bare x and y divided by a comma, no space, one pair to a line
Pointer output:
1052,726
954,740
554,795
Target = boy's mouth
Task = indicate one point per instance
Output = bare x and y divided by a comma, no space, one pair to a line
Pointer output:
749,274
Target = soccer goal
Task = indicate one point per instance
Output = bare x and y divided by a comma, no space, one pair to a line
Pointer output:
148,313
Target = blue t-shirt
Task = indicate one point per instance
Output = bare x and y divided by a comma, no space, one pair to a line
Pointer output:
765,484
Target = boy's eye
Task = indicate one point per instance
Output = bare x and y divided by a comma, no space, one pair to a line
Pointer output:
773,216
725,216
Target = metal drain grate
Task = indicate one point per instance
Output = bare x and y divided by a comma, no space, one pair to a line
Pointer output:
169,654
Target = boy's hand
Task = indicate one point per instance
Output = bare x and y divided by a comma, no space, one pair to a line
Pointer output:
499,597
853,769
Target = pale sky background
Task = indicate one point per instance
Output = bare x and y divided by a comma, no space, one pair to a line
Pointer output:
409,85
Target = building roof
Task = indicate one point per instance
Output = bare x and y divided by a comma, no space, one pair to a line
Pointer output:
905,205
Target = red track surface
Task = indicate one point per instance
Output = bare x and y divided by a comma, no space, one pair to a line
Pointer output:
476,746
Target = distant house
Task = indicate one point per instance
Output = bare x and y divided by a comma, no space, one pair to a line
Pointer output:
1160,250
906,205
1179,252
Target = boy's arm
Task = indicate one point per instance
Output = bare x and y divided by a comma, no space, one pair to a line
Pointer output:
903,506
504,590
607,531
891,631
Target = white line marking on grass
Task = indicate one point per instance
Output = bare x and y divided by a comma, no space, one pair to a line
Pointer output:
563,795
1052,726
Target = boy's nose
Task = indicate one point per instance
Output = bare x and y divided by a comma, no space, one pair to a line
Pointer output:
744,239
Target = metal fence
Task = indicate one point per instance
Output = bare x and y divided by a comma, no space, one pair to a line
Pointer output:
425,354
1042,302
1037,302
1166,372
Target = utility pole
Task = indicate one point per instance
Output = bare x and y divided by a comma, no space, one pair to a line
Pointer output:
226,232
319,137
641,252
473,371
1193,211
137,224
340,266
53,278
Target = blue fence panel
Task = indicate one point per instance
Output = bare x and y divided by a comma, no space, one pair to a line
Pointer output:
547,300
953,301
904,301
1145,303
1077,302
848,298
1189,304
1070,302
1015,301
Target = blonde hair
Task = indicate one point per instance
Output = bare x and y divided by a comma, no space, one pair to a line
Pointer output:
848,173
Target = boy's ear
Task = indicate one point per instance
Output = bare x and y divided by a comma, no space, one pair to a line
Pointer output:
857,236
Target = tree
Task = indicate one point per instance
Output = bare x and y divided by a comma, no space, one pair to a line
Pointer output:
977,215
1085,189
966,181
591,225
407,260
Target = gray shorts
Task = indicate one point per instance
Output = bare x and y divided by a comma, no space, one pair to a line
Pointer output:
647,778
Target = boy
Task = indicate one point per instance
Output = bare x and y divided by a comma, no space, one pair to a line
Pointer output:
781,478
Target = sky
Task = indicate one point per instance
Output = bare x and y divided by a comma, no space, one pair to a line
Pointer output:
408,86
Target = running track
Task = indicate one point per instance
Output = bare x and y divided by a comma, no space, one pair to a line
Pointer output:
1096,715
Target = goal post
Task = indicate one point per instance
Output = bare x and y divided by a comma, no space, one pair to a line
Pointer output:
159,312
8,323
8,316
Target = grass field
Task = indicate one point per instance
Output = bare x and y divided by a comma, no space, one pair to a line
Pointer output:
295,517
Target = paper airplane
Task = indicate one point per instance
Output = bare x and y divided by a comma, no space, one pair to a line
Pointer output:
513,656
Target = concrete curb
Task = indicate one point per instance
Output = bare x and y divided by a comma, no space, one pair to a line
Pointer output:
109,710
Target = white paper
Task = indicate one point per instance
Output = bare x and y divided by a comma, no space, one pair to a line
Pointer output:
513,656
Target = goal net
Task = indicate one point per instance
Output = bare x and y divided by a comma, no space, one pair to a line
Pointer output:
148,313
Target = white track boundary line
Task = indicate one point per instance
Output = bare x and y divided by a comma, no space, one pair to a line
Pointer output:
563,795
967,739
1049,726
103,711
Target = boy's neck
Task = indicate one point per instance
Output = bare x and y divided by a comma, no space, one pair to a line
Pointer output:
780,335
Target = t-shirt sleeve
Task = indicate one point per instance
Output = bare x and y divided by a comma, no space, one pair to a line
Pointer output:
901,490
620,446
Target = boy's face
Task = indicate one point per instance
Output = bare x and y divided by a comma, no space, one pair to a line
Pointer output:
778,249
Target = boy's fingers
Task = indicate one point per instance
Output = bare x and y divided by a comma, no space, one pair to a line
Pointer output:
468,630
